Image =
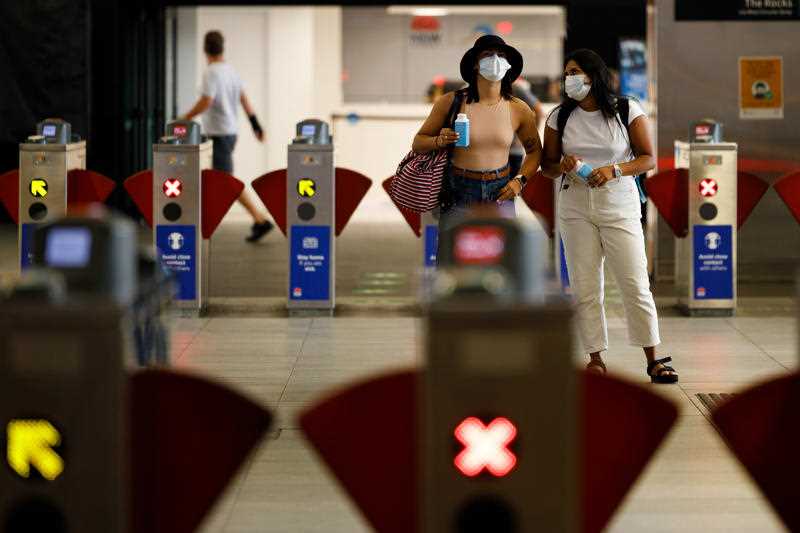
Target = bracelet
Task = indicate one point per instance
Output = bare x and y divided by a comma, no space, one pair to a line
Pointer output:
254,124
436,142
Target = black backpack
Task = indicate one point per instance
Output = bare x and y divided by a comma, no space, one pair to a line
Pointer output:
623,108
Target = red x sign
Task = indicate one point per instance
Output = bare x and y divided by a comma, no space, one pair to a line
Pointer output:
485,446
172,188
708,187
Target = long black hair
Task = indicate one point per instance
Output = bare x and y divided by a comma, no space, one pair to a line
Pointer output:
472,91
593,66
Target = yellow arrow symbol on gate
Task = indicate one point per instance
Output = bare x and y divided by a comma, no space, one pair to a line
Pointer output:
30,443
306,187
39,188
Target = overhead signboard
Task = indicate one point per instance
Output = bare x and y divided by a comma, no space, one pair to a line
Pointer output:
737,10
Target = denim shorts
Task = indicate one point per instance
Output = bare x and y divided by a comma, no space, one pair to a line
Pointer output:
467,192
223,152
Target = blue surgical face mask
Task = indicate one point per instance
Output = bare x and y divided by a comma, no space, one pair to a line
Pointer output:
576,87
494,67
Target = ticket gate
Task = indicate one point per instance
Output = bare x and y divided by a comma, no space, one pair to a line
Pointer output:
51,179
705,200
311,201
88,442
63,420
184,201
706,260
490,455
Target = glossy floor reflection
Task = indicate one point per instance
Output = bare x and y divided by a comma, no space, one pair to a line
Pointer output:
693,484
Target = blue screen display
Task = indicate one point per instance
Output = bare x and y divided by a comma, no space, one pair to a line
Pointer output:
68,247
49,130
308,130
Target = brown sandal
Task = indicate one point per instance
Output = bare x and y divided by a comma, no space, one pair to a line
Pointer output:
596,363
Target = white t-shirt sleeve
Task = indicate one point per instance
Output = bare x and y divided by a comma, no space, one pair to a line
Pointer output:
634,110
210,84
552,119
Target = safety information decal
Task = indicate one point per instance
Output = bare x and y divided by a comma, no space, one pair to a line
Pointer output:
25,245
309,263
176,245
713,262
431,237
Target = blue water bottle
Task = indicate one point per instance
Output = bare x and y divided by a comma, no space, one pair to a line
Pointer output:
583,170
462,128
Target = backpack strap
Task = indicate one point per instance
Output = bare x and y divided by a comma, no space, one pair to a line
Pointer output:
624,110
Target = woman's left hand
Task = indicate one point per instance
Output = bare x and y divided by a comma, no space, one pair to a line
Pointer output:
600,176
512,189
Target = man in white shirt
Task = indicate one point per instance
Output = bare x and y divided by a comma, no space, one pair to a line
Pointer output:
221,93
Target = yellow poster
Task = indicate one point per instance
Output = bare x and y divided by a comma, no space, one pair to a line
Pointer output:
760,87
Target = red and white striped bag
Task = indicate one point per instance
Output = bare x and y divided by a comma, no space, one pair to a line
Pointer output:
418,180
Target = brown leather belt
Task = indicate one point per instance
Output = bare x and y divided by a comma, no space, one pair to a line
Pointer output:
483,176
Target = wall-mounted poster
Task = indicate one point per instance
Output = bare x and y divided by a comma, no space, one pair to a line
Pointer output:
633,68
761,87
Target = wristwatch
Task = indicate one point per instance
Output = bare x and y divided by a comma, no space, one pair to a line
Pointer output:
617,171
523,180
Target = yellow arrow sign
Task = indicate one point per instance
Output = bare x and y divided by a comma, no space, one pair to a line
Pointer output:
31,442
38,188
306,187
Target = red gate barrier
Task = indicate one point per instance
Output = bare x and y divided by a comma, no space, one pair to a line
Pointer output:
413,219
83,187
351,187
760,426
367,434
189,437
539,197
219,191
669,191
9,193
787,187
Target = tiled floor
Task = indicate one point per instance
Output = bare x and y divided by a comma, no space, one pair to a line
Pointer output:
692,485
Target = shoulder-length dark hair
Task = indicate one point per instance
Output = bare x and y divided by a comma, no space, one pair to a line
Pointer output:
593,65
472,90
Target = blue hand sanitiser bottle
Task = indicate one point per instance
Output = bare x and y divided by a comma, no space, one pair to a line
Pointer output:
462,128
583,170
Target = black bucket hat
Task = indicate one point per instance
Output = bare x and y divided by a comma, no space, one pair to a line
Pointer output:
486,42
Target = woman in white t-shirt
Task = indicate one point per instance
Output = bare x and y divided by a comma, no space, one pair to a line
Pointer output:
600,216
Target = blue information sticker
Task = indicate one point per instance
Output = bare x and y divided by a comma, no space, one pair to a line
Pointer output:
309,263
562,259
713,262
176,249
431,237
26,245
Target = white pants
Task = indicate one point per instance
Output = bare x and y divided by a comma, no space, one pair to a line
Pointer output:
599,224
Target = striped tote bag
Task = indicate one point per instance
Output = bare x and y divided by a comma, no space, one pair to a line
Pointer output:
418,180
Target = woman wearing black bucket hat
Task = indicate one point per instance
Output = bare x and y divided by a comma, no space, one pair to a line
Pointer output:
479,173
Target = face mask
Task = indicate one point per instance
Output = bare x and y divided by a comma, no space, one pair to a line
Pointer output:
493,68
575,87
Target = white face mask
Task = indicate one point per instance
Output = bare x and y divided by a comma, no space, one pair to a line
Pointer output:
493,68
576,87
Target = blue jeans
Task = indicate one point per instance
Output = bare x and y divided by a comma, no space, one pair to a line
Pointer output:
468,192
